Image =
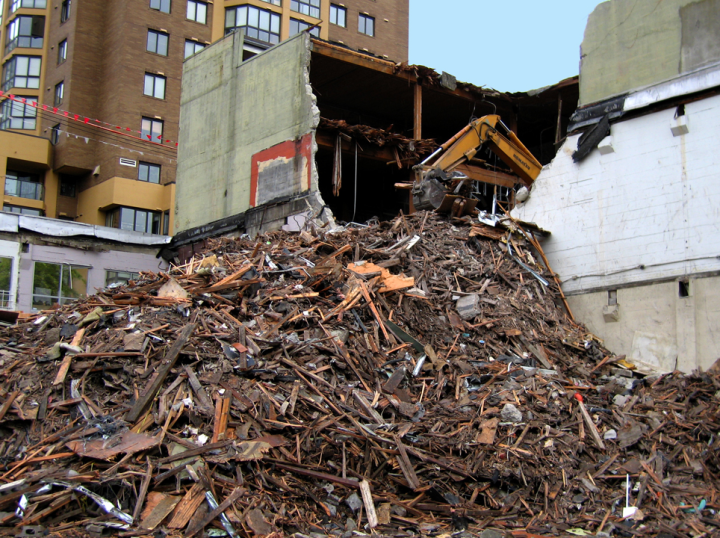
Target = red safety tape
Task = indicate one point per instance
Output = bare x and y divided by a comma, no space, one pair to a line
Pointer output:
93,123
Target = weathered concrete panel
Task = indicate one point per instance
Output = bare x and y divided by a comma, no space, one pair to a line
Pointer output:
232,111
657,327
700,30
630,44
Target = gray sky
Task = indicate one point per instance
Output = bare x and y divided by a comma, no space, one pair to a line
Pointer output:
508,45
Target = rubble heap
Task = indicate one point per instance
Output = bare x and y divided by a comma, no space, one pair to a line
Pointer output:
417,377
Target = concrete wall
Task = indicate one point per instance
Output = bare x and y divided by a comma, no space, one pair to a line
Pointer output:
231,114
630,44
644,213
98,262
655,326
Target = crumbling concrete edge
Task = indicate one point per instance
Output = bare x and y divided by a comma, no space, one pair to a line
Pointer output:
321,212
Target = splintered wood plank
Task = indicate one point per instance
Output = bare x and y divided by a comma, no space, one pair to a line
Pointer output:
160,512
169,360
187,507
406,466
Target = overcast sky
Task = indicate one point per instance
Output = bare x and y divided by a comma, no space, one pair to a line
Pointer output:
507,45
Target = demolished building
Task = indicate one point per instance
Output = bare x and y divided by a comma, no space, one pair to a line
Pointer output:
631,197
311,126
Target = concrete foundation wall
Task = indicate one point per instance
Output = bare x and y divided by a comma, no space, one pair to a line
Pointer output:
630,44
232,114
655,326
644,212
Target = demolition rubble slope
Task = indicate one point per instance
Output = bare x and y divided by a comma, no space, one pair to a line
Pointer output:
412,378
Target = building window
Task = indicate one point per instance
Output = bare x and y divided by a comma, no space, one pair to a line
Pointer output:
152,129
166,223
5,281
134,220
22,72
59,93
120,278
154,86
157,42
18,115
297,26
7,208
149,172
32,4
55,134
23,185
25,31
306,7
366,24
192,47
197,11
274,2
160,5
67,186
338,15
62,51
58,283
65,11
259,24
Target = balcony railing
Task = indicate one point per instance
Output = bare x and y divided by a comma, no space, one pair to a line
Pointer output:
24,189
24,41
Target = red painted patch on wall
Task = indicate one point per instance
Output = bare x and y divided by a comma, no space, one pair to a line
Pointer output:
299,152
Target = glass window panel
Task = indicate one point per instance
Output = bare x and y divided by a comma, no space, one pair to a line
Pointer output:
127,219
264,23
140,220
148,89
162,44
160,88
202,13
253,16
22,63
275,24
230,17
242,16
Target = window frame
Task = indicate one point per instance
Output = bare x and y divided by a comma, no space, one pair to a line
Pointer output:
59,94
6,298
123,214
301,27
151,132
65,8
311,8
31,211
13,105
33,40
148,167
117,279
338,9
25,178
17,4
12,65
363,19
161,4
62,296
155,78
62,51
249,28
194,44
157,34
197,4
55,134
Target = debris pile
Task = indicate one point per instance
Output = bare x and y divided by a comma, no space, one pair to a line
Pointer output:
417,377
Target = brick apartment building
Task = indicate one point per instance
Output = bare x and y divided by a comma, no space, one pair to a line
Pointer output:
106,80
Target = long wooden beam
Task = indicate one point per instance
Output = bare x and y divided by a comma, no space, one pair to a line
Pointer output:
488,176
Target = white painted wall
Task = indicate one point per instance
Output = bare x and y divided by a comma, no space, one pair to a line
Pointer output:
645,212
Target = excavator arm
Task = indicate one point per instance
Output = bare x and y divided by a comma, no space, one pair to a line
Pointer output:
428,191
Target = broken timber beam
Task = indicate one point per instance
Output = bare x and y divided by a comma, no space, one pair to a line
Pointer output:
142,403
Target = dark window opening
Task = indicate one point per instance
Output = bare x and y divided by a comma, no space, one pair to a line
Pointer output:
67,186
683,288
612,297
